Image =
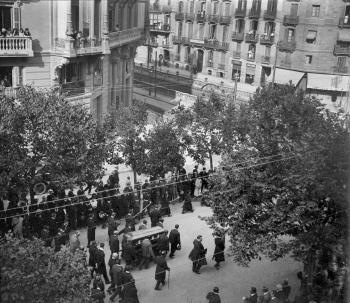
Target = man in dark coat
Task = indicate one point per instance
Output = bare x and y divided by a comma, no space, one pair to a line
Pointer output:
116,277
187,206
130,294
111,224
163,242
92,257
129,253
174,239
91,227
143,225
130,221
155,216
100,262
162,266
197,255
127,281
114,242
219,255
213,296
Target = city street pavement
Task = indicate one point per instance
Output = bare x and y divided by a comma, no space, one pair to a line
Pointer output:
185,286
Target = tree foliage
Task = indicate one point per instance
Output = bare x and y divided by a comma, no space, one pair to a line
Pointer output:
31,272
43,133
282,187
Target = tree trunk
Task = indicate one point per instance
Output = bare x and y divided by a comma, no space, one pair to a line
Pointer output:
135,176
211,161
31,193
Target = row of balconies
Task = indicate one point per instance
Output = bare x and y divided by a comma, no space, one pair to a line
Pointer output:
253,38
16,47
205,42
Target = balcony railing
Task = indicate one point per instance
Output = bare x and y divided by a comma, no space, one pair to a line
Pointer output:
10,92
251,38
344,23
341,51
213,18
254,13
179,16
177,40
267,39
87,46
340,69
97,80
215,44
200,17
225,20
265,59
75,88
236,36
236,54
210,64
189,17
166,44
290,20
126,36
287,46
160,28
221,66
251,56
16,47
152,43
270,15
185,41
240,12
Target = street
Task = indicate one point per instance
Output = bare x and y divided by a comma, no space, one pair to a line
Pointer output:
233,281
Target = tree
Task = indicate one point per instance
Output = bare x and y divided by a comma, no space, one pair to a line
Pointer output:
283,181
42,133
203,122
31,272
164,149
129,128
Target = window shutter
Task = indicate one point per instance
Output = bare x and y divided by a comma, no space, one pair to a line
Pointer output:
16,18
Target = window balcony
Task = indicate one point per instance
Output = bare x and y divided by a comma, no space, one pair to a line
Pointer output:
189,17
225,20
215,44
200,17
213,19
210,64
287,46
341,51
185,41
290,20
265,59
254,13
267,39
251,38
236,55
240,12
16,47
160,29
177,57
177,40
236,36
344,23
179,16
152,43
251,56
126,36
270,15
340,69
10,92
78,47
221,66
75,88
166,44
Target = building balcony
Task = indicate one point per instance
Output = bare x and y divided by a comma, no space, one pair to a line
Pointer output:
185,41
251,56
152,43
265,59
78,47
200,17
177,40
236,55
10,92
160,29
267,39
179,16
166,44
221,66
75,88
213,18
290,20
251,38
240,12
340,69
215,44
287,46
166,9
254,13
155,9
190,17
237,36
177,57
210,64
341,51
126,36
225,20
16,47
270,15
344,23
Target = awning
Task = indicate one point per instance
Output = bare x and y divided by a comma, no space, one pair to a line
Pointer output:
311,35
344,35
285,76
328,82
250,69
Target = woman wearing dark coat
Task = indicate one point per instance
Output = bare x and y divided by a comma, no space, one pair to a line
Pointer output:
160,274
219,255
197,255
130,294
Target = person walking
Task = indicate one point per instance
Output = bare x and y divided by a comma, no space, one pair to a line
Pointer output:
98,289
147,253
114,242
213,296
174,239
155,216
161,267
129,253
100,262
219,255
116,277
91,228
163,242
197,255
187,206
92,257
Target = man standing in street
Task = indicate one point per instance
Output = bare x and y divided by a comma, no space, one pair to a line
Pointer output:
213,296
147,253
163,242
91,227
162,266
197,255
116,276
155,216
174,239
143,225
114,242
100,262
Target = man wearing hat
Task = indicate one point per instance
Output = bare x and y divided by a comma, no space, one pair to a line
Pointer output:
162,266
213,296
253,297
116,277
174,239
163,242
266,296
100,262
114,242
155,216
91,228
143,225
197,255
161,223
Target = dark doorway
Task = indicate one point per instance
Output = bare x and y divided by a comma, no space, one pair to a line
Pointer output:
200,61
5,17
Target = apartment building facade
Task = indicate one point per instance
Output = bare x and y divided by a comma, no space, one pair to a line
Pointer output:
84,48
244,40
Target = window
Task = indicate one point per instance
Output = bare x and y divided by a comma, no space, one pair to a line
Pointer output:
315,11
311,37
269,28
290,34
212,31
294,9
236,70
221,74
250,74
227,9
210,56
341,62
203,7
215,8
191,6
347,15
308,59
181,6
238,47
253,26
224,33
268,51
179,32
178,49
201,31
240,25
190,29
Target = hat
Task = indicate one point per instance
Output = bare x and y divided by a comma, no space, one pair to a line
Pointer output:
253,290
102,245
216,289
128,267
115,232
199,236
265,289
177,225
115,256
144,221
161,220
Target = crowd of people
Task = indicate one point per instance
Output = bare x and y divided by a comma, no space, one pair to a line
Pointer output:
15,32
279,295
